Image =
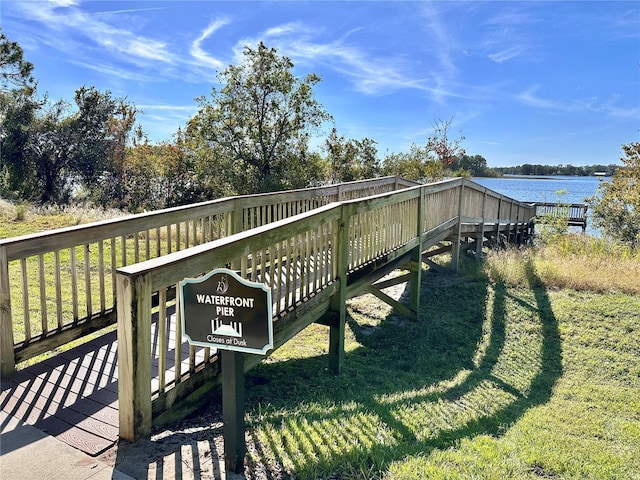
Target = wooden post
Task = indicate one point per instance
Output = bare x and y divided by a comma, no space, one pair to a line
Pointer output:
497,229
455,247
339,300
480,238
233,409
416,260
7,356
134,355
509,221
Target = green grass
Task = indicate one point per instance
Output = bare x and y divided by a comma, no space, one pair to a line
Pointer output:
22,220
495,380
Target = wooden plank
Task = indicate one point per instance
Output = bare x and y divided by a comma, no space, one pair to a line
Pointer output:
25,299
7,359
44,322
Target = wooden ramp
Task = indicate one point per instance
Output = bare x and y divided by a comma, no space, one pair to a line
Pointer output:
312,261
72,396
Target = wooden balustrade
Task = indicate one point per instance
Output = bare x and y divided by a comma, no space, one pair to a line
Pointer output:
59,285
574,213
312,262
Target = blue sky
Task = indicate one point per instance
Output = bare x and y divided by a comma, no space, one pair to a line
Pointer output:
553,82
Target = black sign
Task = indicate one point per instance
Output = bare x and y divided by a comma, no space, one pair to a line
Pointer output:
225,311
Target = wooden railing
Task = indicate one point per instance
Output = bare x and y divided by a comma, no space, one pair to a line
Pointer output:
575,213
312,262
59,285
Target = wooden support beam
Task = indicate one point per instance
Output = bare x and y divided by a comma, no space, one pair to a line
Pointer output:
134,356
390,282
403,309
338,302
416,261
233,410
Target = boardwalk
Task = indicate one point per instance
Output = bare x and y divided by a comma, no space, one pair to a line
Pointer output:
72,396
312,261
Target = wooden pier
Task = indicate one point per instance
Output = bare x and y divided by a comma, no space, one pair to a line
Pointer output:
313,248
575,213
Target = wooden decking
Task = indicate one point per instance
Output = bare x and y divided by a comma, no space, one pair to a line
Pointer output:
72,396
575,213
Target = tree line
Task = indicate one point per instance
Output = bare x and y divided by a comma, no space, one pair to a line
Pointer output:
250,135
567,170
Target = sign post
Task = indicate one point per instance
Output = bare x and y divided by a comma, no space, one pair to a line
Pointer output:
225,311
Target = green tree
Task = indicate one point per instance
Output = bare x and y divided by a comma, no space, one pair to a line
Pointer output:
442,146
48,154
349,160
59,150
15,71
616,206
474,165
259,123
417,164
101,129
156,176
18,105
428,163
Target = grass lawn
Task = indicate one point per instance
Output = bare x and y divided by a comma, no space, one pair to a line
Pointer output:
493,381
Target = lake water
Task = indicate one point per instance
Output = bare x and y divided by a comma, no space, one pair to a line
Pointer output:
544,189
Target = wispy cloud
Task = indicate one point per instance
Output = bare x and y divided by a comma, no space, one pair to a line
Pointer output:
507,33
123,52
611,109
62,3
199,53
166,111
591,104
369,74
529,97
504,55
99,33
114,71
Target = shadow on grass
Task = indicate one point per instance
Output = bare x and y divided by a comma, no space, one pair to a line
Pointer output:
409,387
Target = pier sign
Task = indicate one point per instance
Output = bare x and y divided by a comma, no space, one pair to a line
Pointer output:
225,311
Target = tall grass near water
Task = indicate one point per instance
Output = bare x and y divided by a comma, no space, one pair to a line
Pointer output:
573,261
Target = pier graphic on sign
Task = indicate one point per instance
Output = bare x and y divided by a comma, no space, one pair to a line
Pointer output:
232,329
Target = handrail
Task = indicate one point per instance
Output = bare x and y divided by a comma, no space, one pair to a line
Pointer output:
574,213
58,285
312,262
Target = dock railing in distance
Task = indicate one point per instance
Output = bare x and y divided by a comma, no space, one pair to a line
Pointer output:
575,213
312,262
59,285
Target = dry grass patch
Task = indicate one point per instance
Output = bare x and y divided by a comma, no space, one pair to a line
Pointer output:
575,262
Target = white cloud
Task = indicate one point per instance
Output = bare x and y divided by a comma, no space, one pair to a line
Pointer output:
529,97
589,104
196,47
369,74
62,3
611,109
505,55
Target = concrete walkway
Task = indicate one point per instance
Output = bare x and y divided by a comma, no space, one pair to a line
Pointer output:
28,453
